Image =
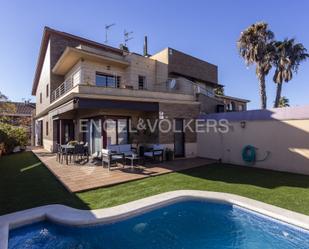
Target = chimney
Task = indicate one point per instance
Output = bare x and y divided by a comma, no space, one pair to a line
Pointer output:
145,52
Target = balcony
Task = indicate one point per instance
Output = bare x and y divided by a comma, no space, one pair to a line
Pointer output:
155,94
65,87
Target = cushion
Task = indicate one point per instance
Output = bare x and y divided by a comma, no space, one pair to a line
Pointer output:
106,152
128,153
114,148
124,147
158,147
150,154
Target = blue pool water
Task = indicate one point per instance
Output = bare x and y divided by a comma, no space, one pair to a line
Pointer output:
192,224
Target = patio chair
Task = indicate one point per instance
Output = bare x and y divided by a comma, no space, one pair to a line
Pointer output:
110,158
157,151
60,153
79,152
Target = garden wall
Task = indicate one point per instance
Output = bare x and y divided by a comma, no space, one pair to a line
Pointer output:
281,137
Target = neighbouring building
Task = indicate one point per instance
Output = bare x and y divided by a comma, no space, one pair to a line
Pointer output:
19,114
232,104
79,84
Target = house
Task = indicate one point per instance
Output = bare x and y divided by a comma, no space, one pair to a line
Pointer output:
232,104
100,94
19,114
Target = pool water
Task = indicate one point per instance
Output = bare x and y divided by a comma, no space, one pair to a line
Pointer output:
191,224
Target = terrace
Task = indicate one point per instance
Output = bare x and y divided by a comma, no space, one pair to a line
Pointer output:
82,177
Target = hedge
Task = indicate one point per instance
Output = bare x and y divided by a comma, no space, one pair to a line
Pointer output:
10,137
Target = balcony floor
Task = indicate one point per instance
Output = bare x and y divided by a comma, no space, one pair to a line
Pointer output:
79,177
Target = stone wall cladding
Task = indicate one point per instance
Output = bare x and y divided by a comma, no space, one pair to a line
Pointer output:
209,104
173,111
57,46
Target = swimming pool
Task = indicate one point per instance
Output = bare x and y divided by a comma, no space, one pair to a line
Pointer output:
184,224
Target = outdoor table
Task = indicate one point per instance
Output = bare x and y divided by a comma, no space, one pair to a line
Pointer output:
132,158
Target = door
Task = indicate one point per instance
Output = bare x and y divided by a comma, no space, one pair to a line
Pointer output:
116,131
179,137
39,133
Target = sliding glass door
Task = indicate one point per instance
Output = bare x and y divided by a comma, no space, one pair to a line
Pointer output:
116,131
95,137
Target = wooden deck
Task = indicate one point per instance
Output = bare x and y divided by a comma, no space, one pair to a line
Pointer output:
76,177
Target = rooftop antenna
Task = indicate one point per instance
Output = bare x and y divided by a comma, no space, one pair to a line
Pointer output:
107,27
127,37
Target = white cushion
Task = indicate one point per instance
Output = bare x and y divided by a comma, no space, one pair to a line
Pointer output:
150,154
113,148
128,153
124,147
106,152
158,147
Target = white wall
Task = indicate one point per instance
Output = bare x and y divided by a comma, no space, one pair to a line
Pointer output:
286,140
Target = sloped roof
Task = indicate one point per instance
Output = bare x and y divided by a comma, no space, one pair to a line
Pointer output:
22,108
44,43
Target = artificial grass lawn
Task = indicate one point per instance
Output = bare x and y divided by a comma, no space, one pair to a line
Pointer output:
25,183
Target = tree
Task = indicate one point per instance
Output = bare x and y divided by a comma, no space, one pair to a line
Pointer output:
287,58
219,91
284,102
255,47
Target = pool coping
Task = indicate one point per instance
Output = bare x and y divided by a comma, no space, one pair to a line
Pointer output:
76,217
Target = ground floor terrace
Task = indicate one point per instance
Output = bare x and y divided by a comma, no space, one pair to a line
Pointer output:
25,183
78,177
101,123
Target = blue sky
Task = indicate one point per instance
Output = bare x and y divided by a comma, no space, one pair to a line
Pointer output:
205,29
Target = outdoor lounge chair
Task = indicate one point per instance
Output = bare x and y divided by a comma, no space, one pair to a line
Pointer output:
157,151
110,157
126,149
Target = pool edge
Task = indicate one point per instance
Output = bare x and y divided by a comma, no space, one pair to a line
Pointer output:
71,216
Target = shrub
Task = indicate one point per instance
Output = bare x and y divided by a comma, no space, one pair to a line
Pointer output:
11,136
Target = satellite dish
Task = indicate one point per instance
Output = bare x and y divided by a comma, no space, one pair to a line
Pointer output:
172,83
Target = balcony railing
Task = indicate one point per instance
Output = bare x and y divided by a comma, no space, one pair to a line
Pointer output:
65,87
127,90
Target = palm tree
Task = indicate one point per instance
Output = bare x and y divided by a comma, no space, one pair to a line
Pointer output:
287,58
284,102
255,46
219,91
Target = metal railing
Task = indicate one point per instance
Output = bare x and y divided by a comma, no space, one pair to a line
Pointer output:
62,89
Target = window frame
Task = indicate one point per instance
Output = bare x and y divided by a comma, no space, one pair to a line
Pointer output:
47,90
144,82
47,127
108,77
41,98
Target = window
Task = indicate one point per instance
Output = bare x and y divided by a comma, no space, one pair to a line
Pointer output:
116,131
47,91
141,82
107,80
40,98
46,128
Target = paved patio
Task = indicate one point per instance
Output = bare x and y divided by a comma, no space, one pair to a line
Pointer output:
77,177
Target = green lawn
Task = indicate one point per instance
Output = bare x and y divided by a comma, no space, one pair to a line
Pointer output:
25,183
